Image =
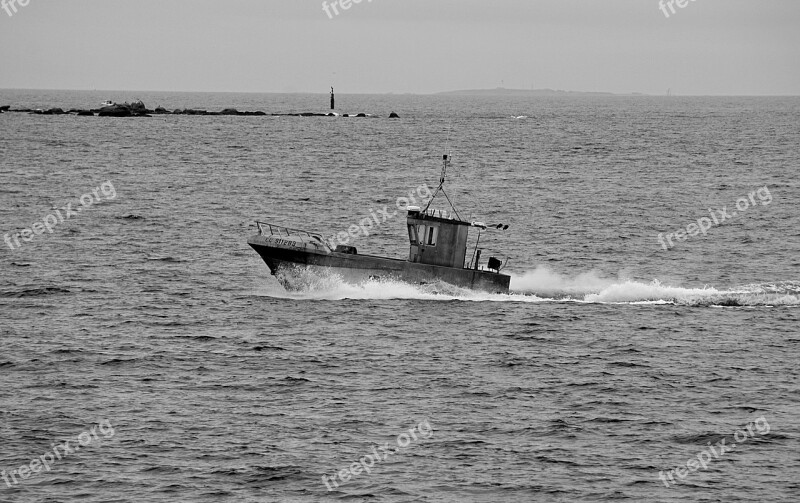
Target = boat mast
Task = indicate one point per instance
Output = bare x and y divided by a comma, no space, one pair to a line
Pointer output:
445,163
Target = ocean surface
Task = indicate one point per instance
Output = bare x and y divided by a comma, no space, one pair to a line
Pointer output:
621,367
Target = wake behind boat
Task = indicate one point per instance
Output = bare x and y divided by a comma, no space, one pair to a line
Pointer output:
437,252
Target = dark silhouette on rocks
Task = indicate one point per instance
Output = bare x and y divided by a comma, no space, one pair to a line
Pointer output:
135,109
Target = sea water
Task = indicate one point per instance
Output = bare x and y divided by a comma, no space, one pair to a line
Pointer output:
618,357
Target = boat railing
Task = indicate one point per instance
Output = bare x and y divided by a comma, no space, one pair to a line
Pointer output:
281,230
432,212
265,228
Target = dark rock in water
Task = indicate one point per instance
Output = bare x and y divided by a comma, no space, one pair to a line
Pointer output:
189,111
393,116
330,114
5,108
54,111
231,111
177,111
160,110
259,112
361,115
115,111
85,112
345,115
135,109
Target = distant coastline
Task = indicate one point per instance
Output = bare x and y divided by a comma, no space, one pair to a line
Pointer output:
502,91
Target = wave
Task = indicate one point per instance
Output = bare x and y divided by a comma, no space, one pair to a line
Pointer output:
593,287
33,292
544,285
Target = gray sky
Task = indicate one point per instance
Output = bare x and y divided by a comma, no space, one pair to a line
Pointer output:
400,46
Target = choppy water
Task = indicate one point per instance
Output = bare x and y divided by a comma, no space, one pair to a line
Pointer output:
612,359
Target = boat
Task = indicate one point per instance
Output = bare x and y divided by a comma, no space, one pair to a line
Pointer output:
437,253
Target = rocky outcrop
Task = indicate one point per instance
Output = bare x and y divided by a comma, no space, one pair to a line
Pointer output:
115,111
50,111
138,109
135,109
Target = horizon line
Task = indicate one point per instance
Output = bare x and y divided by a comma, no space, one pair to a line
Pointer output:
434,93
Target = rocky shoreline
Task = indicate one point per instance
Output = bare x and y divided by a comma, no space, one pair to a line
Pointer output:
138,109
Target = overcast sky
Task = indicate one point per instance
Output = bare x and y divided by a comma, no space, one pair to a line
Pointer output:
403,46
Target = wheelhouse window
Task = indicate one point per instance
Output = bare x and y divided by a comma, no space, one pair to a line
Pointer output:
426,234
430,235
433,233
412,234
